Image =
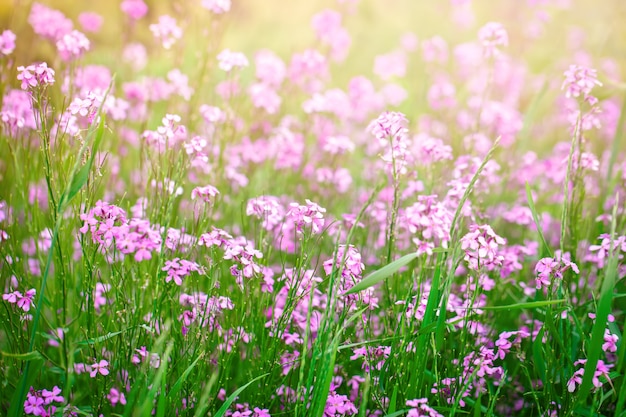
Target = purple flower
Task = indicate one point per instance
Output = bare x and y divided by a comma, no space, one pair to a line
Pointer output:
7,42
580,81
35,76
99,368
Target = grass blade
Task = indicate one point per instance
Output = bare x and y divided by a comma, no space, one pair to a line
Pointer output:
382,274
231,397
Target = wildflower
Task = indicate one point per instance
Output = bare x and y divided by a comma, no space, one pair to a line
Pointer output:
177,269
116,397
492,36
580,81
481,247
390,65
339,406
549,269
421,408
229,60
610,341
7,42
206,193
135,9
90,21
35,76
270,69
166,30
72,45
27,300
217,6
52,396
49,23
303,215
602,370
99,368
34,404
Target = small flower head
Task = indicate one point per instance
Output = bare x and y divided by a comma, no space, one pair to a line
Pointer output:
35,76
579,81
7,42
167,31
229,60
492,36
101,368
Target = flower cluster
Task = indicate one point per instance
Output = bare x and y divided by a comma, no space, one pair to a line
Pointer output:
303,216
550,270
42,403
36,76
24,301
481,248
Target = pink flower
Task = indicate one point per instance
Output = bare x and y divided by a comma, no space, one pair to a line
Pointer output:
26,301
229,60
580,81
90,21
390,65
116,397
492,36
49,23
35,76
217,6
135,9
481,247
206,194
166,30
304,215
99,368
7,42
72,45
421,408
52,396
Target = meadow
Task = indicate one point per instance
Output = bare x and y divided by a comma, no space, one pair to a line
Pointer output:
334,208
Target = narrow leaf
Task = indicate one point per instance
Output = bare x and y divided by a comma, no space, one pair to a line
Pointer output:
234,395
30,356
533,210
382,274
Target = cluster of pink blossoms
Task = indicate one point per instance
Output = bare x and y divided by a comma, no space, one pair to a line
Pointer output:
303,216
579,81
177,269
430,220
35,76
602,371
481,248
229,60
42,403
24,301
167,31
420,408
217,6
7,42
549,270
72,45
492,36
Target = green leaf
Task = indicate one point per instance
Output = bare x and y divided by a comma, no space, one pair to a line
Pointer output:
101,339
179,382
382,274
531,304
28,380
234,395
397,413
80,178
602,314
30,356
533,210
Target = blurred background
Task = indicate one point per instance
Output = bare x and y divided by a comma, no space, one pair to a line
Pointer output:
538,29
